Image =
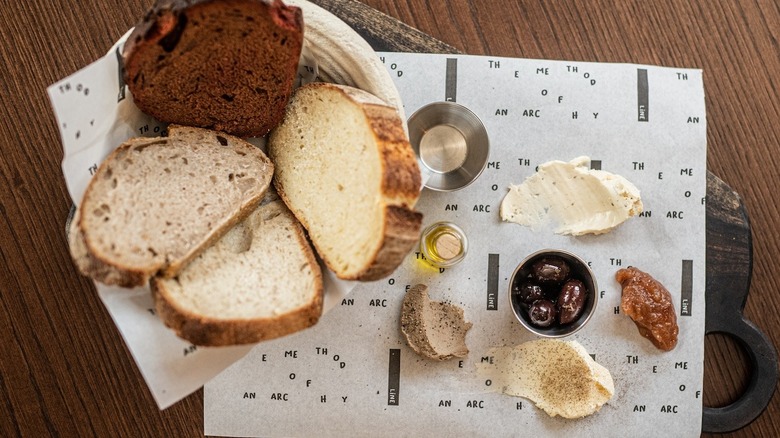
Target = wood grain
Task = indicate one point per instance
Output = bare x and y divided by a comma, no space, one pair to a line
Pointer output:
64,369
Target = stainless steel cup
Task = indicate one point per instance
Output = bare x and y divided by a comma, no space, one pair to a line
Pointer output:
579,270
451,144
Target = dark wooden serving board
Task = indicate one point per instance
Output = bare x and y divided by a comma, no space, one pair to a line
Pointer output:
729,244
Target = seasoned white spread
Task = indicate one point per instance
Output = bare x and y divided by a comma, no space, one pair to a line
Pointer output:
560,377
579,200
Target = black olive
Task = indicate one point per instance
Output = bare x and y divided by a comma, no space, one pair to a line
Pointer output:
528,292
550,270
542,313
571,301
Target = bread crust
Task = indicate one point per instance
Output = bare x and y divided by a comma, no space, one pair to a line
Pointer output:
201,63
400,187
92,267
402,232
92,263
207,331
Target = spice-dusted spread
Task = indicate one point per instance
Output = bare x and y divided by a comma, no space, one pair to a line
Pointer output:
560,377
580,200
434,329
650,305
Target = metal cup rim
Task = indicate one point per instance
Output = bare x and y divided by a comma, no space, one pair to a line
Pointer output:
469,125
590,280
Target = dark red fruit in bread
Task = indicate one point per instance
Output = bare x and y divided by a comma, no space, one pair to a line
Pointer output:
227,65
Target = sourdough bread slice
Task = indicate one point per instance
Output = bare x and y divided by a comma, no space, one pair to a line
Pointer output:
345,168
155,203
227,65
93,267
259,281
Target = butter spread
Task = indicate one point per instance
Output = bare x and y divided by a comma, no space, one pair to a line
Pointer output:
560,377
580,200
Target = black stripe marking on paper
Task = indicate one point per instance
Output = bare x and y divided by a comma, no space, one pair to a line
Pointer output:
686,289
643,104
492,282
394,377
451,80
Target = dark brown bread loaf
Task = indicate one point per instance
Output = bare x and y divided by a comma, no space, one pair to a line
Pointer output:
227,65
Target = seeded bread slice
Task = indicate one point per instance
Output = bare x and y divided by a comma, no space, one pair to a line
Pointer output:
227,65
345,168
155,203
259,281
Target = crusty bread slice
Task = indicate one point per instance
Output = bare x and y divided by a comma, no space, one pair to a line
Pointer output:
258,282
345,168
155,203
227,65
94,268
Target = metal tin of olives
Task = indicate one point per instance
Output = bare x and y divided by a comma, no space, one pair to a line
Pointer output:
553,293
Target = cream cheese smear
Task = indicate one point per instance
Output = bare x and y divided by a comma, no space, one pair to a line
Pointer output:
577,199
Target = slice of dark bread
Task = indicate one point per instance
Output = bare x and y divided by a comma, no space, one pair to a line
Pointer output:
155,203
227,65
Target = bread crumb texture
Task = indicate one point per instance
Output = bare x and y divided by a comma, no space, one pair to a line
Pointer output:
155,202
333,167
258,282
560,377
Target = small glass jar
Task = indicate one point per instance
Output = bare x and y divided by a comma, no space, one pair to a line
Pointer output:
443,244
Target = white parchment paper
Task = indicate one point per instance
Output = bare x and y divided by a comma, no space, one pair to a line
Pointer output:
353,375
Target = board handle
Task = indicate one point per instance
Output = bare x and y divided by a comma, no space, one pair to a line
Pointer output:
729,267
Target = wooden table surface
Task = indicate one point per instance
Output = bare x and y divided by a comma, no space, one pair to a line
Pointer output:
64,369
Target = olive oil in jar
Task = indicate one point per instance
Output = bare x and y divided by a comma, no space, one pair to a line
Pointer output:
443,244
